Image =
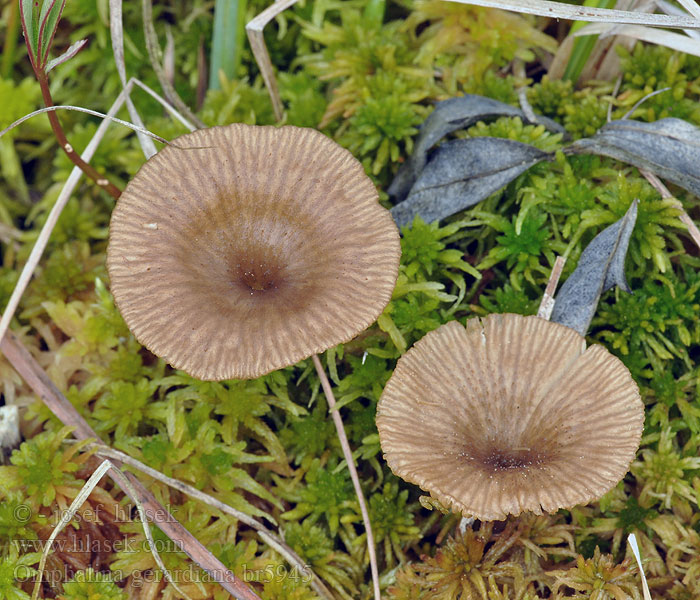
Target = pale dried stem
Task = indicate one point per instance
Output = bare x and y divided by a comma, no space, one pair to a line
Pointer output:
87,111
547,303
153,54
119,478
556,10
632,539
52,219
660,37
116,29
667,195
166,105
254,30
265,534
613,95
519,72
672,9
25,364
347,453
78,501
691,6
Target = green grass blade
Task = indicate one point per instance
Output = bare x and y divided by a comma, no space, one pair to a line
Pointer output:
10,44
374,12
583,46
30,25
50,15
229,17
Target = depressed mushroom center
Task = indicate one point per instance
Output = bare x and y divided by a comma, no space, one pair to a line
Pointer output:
255,259
239,250
508,446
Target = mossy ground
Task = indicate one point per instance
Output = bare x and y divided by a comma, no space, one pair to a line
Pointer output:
266,446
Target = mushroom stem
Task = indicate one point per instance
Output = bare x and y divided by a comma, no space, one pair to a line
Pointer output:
347,453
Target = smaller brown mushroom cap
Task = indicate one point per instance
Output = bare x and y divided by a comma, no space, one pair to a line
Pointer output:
510,414
239,250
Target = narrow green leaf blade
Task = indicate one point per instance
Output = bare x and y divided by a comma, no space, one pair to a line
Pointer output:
227,43
583,46
67,55
49,18
30,25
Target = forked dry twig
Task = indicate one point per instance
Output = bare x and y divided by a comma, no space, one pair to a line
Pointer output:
254,30
266,535
78,501
25,364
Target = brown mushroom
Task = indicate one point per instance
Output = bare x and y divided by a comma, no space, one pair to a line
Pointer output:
510,414
239,250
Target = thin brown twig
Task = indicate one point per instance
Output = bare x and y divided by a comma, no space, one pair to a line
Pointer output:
89,170
39,381
54,214
347,453
267,536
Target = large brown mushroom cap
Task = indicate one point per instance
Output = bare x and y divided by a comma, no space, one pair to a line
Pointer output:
510,414
239,250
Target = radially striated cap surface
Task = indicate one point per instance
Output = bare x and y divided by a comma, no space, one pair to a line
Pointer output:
510,414
239,250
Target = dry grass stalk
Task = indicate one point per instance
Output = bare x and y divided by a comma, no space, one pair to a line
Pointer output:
25,364
116,30
254,30
547,303
153,54
266,535
556,10
632,539
68,515
347,453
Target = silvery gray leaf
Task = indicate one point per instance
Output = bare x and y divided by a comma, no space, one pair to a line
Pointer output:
462,173
601,266
669,148
448,116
